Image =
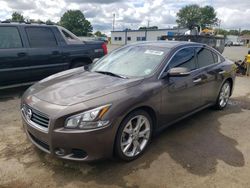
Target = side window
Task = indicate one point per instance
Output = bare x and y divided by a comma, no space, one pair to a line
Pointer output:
184,58
67,35
204,57
10,38
41,37
216,57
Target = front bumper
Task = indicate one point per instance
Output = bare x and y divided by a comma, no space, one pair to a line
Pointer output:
78,145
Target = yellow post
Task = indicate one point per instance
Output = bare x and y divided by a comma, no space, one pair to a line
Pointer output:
248,64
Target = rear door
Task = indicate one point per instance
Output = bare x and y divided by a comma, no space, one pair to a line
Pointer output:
45,55
13,57
209,63
181,95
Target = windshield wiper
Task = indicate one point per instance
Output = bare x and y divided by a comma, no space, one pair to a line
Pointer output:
111,74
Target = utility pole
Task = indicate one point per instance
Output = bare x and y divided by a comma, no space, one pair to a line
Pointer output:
114,22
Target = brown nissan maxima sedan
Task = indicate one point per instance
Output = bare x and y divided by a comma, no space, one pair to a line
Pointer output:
113,107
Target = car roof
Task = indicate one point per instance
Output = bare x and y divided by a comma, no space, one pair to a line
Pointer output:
25,24
167,44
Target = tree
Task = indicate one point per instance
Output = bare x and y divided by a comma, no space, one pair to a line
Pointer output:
221,32
99,34
17,17
208,16
192,15
49,22
233,32
245,32
75,21
188,16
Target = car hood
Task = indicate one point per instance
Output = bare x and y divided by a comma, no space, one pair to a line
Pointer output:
77,85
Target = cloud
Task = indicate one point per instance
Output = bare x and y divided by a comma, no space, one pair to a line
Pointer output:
94,1
129,13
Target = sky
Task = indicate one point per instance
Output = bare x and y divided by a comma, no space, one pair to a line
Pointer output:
234,14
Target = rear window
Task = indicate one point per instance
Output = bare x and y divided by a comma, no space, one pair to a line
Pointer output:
205,57
41,37
10,38
70,37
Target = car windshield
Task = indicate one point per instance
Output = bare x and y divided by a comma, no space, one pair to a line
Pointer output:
131,61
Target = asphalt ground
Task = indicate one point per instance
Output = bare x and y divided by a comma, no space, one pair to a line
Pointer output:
209,149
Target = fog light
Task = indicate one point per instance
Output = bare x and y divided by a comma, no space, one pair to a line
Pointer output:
59,151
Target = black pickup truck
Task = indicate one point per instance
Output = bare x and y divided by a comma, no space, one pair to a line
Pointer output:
31,52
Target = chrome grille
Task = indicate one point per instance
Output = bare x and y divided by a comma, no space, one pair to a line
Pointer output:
36,118
39,119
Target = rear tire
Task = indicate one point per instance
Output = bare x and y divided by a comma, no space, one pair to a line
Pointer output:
223,97
133,136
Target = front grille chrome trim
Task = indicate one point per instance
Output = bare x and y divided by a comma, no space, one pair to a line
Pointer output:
41,121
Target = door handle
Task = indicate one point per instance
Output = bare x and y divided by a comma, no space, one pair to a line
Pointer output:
197,80
21,54
222,72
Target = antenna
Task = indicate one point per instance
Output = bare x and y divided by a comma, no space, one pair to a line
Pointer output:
148,22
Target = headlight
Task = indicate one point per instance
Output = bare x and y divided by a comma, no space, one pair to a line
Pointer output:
88,120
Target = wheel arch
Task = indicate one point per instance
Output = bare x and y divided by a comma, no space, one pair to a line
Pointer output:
230,80
151,112
86,60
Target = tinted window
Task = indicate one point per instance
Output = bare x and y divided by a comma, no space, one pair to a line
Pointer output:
205,57
10,38
41,37
67,35
216,58
184,58
70,37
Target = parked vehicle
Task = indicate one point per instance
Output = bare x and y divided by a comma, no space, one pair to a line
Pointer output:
31,52
229,43
115,106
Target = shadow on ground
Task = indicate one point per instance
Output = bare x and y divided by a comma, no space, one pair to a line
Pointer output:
195,143
8,94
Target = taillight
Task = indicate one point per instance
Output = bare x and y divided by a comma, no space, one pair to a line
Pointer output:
105,49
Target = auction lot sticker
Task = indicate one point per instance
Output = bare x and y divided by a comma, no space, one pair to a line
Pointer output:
154,52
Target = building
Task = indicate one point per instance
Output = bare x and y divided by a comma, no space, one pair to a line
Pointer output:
245,39
130,36
235,39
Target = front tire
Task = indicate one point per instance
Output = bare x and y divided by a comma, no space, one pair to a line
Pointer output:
224,95
133,136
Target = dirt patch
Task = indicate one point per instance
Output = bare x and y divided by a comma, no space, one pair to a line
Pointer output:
209,149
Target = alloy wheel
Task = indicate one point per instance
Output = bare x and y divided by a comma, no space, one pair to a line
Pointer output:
224,95
135,136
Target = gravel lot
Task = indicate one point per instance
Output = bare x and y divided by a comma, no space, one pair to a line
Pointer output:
209,149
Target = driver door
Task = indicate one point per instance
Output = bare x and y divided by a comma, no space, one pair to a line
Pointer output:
181,94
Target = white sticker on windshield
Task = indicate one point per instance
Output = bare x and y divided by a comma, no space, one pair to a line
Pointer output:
154,52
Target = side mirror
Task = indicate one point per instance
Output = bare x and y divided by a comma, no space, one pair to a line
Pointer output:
95,60
179,72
